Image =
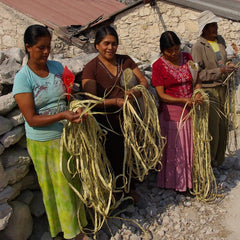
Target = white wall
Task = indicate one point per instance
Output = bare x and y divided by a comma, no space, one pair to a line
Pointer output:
140,28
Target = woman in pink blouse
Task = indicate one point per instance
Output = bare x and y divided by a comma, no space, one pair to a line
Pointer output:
173,82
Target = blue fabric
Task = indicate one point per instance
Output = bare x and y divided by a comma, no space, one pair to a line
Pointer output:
48,98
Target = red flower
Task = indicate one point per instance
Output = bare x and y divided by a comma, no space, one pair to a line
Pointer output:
68,80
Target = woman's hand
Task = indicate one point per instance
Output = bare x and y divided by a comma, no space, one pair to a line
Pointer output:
133,93
74,117
228,68
198,98
188,101
84,116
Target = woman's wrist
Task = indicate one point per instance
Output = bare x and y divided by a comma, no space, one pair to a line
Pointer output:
184,100
63,115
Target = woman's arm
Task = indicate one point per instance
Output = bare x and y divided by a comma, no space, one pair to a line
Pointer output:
198,97
141,80
169,99
26,105
206,74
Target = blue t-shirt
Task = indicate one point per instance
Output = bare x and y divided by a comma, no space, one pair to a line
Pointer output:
48,95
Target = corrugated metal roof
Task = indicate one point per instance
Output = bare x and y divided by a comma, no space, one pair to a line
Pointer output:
59,13
229,9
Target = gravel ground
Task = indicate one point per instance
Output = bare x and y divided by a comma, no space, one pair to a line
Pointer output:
168,215
165,214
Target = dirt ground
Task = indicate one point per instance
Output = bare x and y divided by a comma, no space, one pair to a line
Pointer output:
232,220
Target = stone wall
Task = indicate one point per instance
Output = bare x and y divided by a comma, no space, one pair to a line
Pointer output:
140,28
18,181
13,25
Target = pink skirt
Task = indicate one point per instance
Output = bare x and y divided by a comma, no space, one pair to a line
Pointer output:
178,153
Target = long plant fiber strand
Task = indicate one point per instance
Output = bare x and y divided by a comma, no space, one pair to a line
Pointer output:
88,160
85,143
143,142
204,182
203,179
231,112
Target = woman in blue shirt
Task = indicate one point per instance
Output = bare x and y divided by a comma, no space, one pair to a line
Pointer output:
39,92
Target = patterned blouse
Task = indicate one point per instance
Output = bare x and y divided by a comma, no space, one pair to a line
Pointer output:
177,81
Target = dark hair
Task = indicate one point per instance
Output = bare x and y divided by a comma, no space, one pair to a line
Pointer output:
103,32
33,33
168,39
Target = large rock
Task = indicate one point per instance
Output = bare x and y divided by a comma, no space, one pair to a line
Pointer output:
17,187
20,223
8,70
75,64
5,214
5,125
37,207
26,196
1,148
30,181
3,177
15,117
7,103
22,143
5,89
6,194
10,192
17,172
12,136
40,227
15,156
15,53
237,164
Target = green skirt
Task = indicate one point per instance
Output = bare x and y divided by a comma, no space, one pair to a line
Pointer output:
62,206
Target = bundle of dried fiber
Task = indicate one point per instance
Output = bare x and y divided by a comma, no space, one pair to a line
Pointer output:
231,112
143,141
204,181
88,160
